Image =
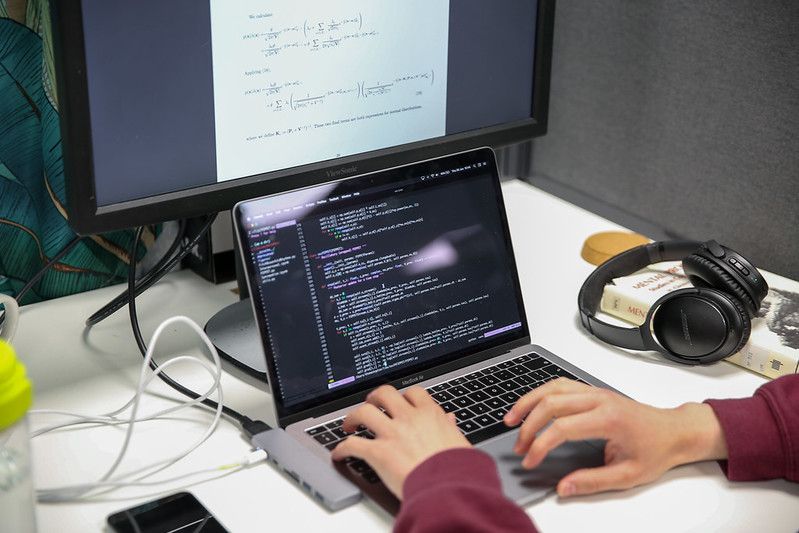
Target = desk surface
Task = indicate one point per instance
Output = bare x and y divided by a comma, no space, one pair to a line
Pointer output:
94,371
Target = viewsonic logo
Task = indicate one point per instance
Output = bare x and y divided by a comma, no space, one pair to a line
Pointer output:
343,171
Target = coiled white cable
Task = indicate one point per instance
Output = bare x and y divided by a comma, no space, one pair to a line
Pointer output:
108,481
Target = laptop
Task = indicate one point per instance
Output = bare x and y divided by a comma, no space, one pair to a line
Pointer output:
403,276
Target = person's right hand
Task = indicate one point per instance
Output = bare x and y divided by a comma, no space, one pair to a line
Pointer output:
409,428
643,442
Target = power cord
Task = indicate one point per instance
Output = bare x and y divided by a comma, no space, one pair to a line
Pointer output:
134,323
108,481
248,426
42,271
168,262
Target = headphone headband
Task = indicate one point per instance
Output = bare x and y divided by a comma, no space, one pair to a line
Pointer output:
725,263
619,266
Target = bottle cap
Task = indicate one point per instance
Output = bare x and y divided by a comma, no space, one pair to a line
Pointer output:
16,391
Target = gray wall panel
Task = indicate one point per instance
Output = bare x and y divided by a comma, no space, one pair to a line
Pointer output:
684,113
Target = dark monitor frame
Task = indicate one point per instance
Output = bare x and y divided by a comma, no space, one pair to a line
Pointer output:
86,217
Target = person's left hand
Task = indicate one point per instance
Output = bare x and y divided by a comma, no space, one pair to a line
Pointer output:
412,428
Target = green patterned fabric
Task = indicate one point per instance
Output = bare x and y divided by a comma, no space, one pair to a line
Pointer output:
33,225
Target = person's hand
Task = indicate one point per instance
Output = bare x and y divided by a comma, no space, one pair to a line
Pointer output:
412,429
643,442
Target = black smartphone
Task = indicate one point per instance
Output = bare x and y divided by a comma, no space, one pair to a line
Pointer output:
180,512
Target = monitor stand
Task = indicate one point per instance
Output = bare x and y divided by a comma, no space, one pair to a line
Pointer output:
235,335
233,332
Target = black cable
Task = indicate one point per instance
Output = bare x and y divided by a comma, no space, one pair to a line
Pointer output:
249,426
55,259
36,277
163,266
134,322
252,427
159,271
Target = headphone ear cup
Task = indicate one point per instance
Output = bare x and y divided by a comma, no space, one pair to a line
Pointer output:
747,327
703,272
700,325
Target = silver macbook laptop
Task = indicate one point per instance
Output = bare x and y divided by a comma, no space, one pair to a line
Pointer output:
402,276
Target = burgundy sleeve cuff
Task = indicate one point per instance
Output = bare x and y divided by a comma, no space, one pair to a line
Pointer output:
461,466
762,432
458,490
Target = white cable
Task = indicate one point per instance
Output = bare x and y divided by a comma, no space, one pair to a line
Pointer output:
221,471
110,418
72,492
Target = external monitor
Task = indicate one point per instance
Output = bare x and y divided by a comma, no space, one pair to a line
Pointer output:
181,108
174,109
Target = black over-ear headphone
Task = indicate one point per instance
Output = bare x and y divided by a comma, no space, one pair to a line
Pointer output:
702,324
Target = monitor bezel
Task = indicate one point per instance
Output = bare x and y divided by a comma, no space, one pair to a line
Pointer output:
85,217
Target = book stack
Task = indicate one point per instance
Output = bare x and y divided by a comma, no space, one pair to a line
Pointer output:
773,346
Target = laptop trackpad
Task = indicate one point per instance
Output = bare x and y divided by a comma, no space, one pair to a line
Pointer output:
524,486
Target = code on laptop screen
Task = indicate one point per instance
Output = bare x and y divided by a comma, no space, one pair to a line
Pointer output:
369,277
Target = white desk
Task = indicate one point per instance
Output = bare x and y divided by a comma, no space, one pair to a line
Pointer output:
94,371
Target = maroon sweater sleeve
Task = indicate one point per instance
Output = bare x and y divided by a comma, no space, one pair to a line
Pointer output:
459,491
762,432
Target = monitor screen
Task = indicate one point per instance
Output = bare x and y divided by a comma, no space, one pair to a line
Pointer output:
180,108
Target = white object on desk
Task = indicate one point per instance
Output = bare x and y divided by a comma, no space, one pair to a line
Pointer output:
79,370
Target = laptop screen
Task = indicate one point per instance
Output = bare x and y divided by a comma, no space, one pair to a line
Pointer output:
378,277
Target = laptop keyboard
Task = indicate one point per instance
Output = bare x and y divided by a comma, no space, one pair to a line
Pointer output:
479,401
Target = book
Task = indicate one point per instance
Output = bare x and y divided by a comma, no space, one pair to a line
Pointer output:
773,346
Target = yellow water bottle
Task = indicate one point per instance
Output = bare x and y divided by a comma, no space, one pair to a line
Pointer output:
17,503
